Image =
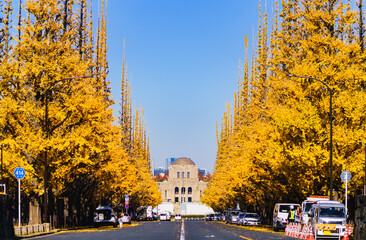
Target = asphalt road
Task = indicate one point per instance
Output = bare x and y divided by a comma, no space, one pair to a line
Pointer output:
191,230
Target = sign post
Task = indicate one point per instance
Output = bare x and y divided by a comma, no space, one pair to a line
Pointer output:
346,176
127,201
19,173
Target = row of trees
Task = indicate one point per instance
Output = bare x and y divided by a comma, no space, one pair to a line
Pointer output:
273,143
56,118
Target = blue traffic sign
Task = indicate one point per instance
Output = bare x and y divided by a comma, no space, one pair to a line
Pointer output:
19,173
346,176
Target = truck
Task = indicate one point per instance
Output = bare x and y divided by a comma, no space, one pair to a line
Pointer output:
145,213
328,219
306,205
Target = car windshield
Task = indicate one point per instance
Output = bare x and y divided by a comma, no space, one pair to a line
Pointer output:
162,214
251,215
284,208
332,212
308,206
235,213
104,211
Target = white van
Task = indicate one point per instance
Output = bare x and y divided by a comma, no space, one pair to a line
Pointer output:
280,214
328,219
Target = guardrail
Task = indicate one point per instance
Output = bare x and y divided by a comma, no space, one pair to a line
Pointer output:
31,229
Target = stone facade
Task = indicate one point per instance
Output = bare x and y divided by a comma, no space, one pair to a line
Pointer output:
183,184
360,218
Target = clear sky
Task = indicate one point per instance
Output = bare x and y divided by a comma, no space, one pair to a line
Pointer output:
183,58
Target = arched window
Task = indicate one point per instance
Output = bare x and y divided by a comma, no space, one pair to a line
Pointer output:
176,190
189,190
183,190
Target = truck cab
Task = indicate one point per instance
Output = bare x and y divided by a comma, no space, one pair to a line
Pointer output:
306,206
328,219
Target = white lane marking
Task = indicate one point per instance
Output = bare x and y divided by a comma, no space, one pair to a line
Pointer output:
182,234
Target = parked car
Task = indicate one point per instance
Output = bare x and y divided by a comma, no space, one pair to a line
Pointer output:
217,217
240,219
210,217
223,216
126,218
178,217
232,216
105,216
164,217
280,214
252,219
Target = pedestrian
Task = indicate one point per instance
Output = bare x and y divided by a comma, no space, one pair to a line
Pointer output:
120,221
291,215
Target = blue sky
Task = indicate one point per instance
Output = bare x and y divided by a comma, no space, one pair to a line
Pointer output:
183,58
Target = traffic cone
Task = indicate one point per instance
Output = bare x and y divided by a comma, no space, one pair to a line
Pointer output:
346,234
310,235
304,232
350,230
293,233
299,231
286,229
289,229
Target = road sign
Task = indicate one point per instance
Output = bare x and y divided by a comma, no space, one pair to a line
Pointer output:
127,201
346,176
19,173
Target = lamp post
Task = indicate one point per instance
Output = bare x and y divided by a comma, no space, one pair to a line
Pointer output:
331,131
46,129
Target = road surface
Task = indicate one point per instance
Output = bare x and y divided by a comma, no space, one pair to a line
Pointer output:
179,230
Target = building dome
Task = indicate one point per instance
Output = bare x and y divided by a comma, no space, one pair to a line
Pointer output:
183,161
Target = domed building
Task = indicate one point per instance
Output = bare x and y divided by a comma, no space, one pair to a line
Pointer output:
183,184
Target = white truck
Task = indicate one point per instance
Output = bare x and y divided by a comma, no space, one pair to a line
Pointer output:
306,205
149,213
328,219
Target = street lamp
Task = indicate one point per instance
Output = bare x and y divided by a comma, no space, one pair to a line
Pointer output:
46,129
331,131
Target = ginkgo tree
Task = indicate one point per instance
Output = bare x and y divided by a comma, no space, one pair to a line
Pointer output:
279,140
56,115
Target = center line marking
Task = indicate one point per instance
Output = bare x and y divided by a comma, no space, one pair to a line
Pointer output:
245,237
182,234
